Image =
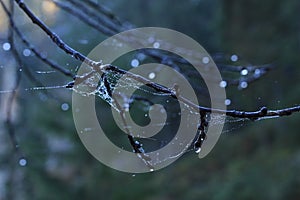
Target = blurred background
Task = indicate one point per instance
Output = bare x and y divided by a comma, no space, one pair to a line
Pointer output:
252,160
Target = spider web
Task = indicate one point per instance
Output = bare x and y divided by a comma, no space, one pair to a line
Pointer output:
103,92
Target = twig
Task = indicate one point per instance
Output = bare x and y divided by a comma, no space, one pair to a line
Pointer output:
13,96
201,135
137,147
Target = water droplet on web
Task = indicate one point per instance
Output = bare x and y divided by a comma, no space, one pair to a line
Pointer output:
205,60
65,106
227,102
135,63
244,72
6,46
257,72
151,75
20,70
151,170
133,175
223,84
198,150
243,84
23,162
156,45
234,58
26,52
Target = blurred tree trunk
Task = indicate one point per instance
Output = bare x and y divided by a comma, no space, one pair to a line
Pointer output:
8,82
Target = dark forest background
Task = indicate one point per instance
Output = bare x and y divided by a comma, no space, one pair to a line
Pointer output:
254,160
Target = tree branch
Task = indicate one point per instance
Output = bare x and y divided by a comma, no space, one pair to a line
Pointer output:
97,66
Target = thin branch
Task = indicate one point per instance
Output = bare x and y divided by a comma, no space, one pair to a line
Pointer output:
201,135
13,96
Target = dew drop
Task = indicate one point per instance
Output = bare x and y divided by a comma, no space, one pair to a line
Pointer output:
23,162
205,60
156,45
135,63
6,46
223,84
151,170
234,58
257,72
227,102
243,84
26,52
151,75
65,106
133,175
198,150
244,72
